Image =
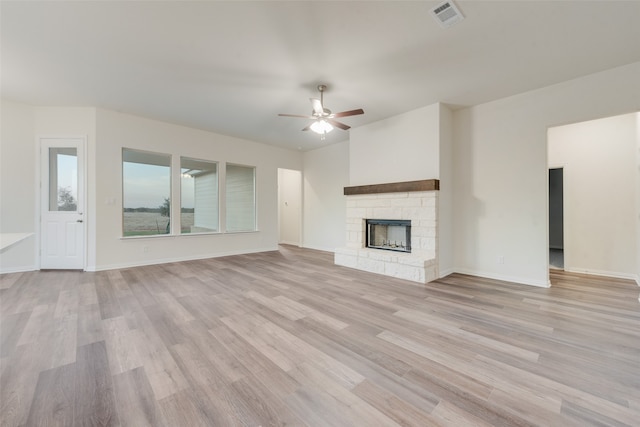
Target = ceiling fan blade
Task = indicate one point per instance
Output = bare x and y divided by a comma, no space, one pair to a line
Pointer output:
349,113
306,128
338,124
317,105
297,115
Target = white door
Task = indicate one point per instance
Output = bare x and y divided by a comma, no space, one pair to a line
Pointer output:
289,205
62,225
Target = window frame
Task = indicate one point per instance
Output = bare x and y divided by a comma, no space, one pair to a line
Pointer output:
158,155
254,198
217,196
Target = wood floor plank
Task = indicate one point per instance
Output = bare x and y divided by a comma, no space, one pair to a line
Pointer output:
546,386
251,361
488,412
450,329
120,342
107,299
164,375
53,401
204,308
135,401
392,406
176,312
180,409
227,362
8,280
94,400
267,407
18,381
196,367
287,338
38,325
163,322
11,330
87,294
64,340
90,327
322,379
380,369
67,304
246,327
447,414
317,408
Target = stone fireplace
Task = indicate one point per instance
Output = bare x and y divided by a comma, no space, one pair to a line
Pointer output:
403,218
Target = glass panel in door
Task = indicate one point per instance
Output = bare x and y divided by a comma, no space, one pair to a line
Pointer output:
63,179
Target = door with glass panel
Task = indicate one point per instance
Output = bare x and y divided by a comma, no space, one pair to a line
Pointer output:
62,219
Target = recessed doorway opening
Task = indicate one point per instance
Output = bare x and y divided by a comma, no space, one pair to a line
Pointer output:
556,218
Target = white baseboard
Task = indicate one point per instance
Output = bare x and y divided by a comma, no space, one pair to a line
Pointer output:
445,273
319,248
613,274
504,278
178,259
284,242
22,269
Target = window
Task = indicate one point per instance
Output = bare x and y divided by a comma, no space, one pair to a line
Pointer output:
146,192
63,179
240,198
199,196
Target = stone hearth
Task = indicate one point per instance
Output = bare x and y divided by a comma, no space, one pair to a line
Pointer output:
416,201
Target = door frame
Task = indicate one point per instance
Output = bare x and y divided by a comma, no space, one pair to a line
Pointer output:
82,141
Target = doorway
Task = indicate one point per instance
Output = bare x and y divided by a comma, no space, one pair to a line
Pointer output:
599,166
62,203
556,218
289,206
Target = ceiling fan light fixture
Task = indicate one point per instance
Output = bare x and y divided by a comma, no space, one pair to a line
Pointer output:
323,119
321,127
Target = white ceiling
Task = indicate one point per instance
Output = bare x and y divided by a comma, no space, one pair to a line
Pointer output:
231,67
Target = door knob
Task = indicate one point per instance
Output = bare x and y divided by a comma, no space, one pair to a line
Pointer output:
79,220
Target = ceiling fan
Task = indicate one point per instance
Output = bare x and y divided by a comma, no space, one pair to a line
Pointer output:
324,119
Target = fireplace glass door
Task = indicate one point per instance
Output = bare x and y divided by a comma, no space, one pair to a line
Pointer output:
392,235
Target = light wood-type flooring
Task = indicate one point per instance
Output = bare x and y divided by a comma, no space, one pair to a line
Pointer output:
287,338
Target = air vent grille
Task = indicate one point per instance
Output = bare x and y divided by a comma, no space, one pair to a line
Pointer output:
447,14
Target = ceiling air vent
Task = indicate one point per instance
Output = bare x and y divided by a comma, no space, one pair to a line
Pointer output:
447,14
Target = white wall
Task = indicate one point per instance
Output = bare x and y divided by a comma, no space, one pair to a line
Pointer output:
21,127
600,183
115,131
325,174
445,195
397,149
107,133
638,199
17,179
290,206
500,167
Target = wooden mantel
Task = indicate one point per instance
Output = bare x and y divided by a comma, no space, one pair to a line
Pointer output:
394,187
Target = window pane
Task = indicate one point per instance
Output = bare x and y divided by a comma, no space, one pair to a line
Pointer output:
146,190
240,198
199,196
63,179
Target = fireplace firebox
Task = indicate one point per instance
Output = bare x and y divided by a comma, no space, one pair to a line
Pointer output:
389,234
